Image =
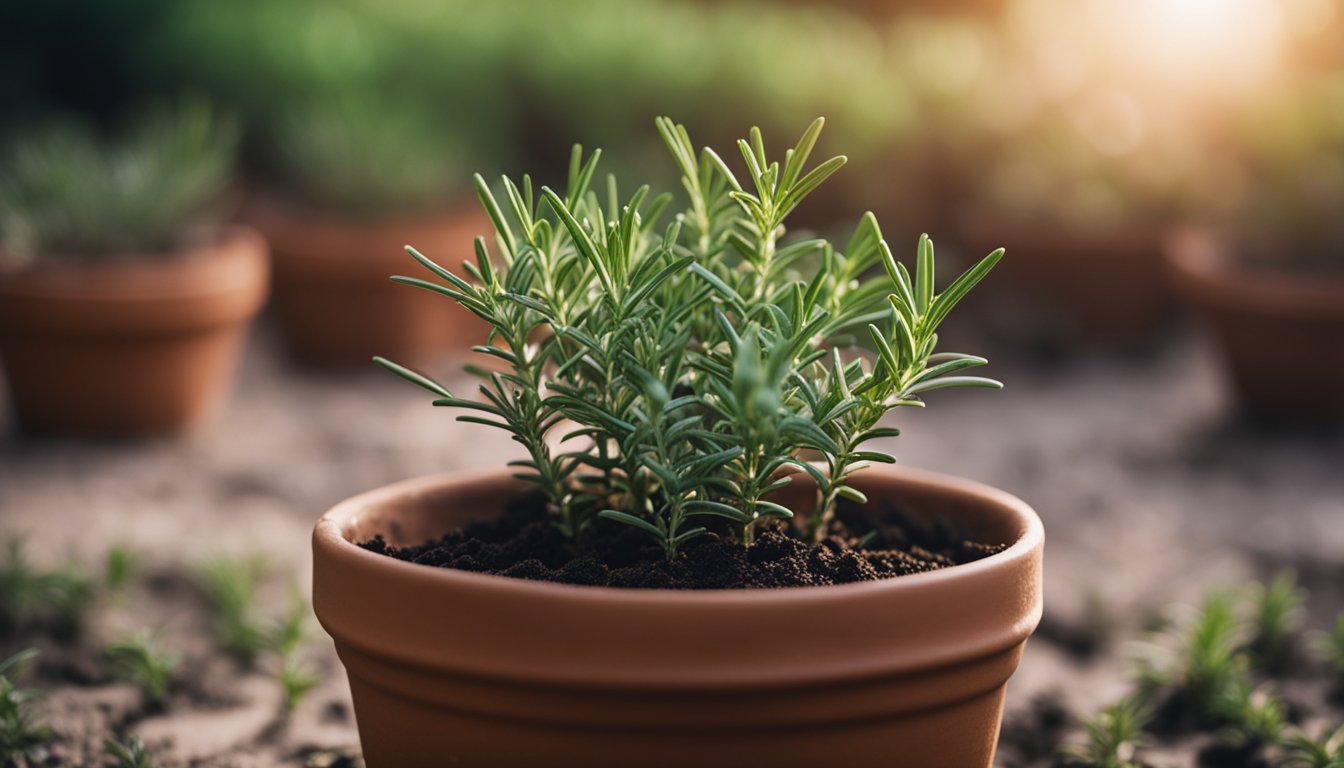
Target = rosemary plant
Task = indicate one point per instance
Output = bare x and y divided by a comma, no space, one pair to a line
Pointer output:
65,192
691,367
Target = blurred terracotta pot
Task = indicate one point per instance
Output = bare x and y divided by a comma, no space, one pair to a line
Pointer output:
455,668
337,306
1281,334
134,346
1104,290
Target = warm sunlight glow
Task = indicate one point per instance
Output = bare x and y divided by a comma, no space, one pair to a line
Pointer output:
1220,44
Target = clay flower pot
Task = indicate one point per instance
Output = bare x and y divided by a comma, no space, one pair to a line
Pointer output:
1281,334
129,347
454,668
337,306
1103,290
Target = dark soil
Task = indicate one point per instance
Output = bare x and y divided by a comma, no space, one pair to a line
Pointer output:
524,543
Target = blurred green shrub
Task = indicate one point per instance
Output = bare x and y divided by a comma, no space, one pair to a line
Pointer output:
68,193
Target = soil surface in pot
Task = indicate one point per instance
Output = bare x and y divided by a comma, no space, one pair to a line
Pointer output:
863,543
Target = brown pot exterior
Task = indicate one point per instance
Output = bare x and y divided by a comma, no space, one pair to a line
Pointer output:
1106,290
337,306
1281,335
133,347
454,668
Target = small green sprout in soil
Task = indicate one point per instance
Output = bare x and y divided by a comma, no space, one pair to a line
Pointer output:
1278,616
1333,647
22,737
129,754
1209,662
230,586
1324,752
32,599
703,360
1253,716
67,193
1113,736
296,680
120,568
143,661
1199,687
295,676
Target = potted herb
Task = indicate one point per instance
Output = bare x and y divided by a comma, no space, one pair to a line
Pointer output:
122,310
604,602
1266,276
361,178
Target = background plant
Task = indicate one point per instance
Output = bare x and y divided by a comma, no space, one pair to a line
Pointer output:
701,358
131,753
368,155
21,735
230,586
33,598
66,192
142,660
1113,736
1278,613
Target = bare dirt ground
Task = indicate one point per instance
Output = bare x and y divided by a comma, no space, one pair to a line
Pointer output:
1150,491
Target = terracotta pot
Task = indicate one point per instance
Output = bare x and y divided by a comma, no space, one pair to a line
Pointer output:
1281,335
454,668
1103,290
135,346
336,304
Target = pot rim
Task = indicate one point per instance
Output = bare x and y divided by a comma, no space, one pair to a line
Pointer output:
180,275
1199,260
352,586
328,534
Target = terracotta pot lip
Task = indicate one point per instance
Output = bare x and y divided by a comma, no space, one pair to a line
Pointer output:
62,281
1201,261
327,534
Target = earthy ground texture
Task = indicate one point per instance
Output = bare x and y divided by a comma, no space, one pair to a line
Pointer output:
1151,494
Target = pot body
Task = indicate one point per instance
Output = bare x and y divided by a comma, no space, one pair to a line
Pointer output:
335,302
1280,335
454,668
1104,289
131,347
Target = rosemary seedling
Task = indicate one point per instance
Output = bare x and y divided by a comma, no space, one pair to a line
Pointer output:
1324,752
230,586
296,680
1208,662
142,660
31,598
21,735
296,677
1253,716
699,359
1278,615
1113,736
1332,646
129,754
120,568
